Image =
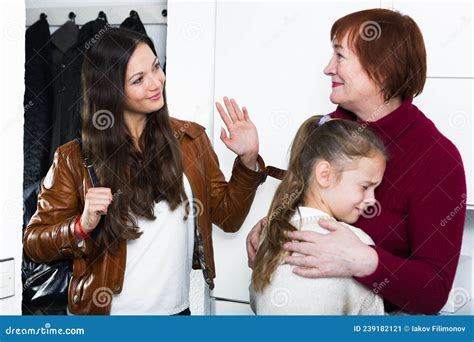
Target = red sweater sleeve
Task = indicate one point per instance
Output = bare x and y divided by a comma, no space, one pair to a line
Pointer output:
421,283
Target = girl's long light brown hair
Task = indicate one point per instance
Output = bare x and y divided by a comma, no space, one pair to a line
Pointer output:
335,141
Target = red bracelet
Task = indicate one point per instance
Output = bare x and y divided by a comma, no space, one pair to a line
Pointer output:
81,230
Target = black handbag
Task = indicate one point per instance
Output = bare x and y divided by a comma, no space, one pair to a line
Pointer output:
45,286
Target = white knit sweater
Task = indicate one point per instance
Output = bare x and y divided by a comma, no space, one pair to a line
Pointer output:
290,294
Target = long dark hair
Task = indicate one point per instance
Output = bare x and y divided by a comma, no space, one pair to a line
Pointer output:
335,141
137,178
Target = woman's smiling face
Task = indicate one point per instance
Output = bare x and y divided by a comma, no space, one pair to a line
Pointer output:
144,82
352,88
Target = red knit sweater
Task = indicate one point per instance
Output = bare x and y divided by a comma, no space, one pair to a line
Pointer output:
419,222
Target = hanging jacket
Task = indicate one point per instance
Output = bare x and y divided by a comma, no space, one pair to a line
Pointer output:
38,102
134,23
68,98
63,39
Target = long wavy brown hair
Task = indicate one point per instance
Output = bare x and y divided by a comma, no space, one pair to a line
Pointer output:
138,179
335,141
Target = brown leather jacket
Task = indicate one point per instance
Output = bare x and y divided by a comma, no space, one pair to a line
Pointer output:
49,235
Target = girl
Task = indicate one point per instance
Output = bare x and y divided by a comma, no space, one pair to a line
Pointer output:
334,167
152,170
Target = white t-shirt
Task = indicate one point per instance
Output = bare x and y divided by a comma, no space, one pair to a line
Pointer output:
159,262
291,294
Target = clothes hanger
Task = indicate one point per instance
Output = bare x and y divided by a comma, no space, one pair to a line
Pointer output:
72,17
102,16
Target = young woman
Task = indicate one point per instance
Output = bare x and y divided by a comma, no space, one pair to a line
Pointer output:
134,238
334,168
378,67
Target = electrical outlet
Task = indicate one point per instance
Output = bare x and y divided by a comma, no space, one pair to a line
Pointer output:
7,278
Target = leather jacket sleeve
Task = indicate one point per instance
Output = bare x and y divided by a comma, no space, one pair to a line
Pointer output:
49,235
231,201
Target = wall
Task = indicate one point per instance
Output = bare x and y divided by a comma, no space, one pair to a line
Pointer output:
11,137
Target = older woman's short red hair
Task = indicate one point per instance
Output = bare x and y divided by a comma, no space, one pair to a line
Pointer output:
390,47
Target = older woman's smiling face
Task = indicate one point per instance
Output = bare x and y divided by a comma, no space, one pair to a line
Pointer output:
352,88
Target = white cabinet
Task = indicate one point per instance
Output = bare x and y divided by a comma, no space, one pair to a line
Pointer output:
447,30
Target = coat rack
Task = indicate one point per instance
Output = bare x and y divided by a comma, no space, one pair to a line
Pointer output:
150,13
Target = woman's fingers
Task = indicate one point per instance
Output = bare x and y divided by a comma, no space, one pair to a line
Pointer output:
100,190
302,261
306,248
224,137
246,114
97,203
224,116
237,110
232,112
253,239
305,266
230,109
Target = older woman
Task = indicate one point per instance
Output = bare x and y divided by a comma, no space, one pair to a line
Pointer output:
378,67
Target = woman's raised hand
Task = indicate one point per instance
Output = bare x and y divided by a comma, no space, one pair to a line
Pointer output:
243,137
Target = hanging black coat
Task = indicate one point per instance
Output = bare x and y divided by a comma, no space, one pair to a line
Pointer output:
37,101
134,23
68,99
